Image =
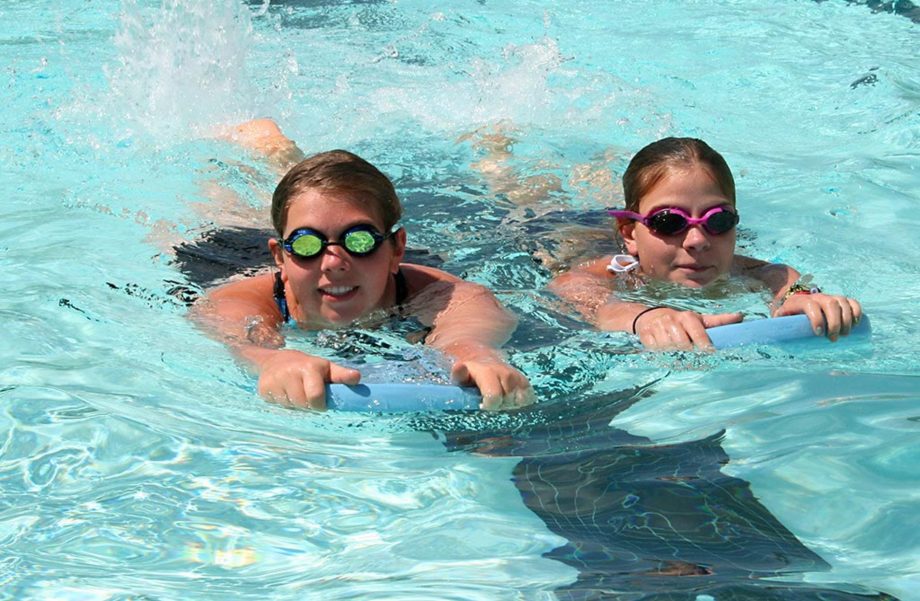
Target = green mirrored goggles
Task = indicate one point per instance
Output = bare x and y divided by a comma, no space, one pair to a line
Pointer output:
359,241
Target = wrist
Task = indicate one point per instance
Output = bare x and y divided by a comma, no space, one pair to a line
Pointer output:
635,320
472,351
799,288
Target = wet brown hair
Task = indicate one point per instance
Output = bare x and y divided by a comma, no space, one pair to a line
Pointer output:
652,164
336,170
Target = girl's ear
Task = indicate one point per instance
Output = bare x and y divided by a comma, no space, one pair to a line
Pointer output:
277,253
627,229
399,249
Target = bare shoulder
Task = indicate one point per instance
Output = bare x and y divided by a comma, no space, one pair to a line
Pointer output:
250,296
244,286
419,277
594,269
742,264
775,276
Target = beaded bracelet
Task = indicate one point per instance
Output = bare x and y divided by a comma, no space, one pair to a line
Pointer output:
800,288
643,312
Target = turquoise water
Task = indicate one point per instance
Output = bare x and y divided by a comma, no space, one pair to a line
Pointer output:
135,460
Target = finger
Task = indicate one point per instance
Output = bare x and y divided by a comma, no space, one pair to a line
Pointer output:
460,374
832,318
503,398
313,389
815,317
697,334
514,389
648,339
521,391
677,336
277,397
846,317
722,319
273,393
786,309
344,375
264,390
856,309
295,395
490,387
659,337
524,396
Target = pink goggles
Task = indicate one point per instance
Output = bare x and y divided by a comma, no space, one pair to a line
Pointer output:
670,221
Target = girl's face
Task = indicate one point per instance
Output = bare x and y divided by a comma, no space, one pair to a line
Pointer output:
335,288
693,257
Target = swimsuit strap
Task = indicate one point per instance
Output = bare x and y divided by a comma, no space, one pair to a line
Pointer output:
402,288
280,298
402,295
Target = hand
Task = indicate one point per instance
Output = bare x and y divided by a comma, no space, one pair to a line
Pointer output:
295,379
501,385
829,314
666,328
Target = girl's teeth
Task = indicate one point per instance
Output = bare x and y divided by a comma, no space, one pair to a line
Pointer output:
338,290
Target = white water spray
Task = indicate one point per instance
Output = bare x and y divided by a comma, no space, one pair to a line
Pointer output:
182,68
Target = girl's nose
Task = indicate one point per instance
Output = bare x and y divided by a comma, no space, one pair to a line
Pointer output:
696,238
334,258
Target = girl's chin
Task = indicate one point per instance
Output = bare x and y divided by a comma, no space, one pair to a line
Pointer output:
339,321
695,278
344,318
695,283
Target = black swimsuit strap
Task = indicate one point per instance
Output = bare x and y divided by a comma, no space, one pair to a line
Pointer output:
402,288
280,298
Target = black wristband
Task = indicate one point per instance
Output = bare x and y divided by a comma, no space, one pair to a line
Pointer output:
643,312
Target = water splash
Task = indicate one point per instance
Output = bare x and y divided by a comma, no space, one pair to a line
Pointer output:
181,68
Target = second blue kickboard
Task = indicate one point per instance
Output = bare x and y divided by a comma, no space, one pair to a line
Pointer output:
771,331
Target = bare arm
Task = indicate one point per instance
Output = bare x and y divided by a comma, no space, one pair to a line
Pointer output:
243,315
588,289
469,325
830,314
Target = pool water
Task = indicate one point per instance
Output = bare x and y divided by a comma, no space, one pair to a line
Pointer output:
136,461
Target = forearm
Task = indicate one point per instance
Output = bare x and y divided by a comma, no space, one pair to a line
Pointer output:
254,347
255,356
616,316
480,338
474,327
470,349
252,338
469,326
776,277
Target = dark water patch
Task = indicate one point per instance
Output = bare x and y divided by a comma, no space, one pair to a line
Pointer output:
643,520
905,8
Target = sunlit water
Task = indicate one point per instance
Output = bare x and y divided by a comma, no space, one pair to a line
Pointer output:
135,459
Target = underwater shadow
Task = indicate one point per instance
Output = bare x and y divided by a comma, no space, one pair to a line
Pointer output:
645,521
